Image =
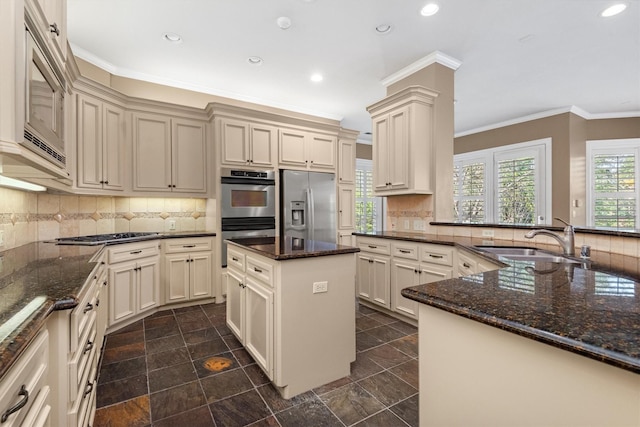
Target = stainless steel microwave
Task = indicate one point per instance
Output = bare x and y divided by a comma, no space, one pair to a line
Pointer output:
44,104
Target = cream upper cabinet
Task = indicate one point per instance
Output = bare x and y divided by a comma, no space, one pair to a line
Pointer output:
49,18
170,154
247,144
101,142
346,161
402,142
307,150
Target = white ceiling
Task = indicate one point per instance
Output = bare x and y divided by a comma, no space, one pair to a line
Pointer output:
519,57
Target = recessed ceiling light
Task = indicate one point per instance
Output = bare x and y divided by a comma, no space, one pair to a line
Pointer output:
172,37
430,9
284,22
383,29
316,78
255,60
613,10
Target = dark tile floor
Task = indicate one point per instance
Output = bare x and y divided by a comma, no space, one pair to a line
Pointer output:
184,367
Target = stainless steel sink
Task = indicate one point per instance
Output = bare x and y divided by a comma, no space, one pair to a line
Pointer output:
527,254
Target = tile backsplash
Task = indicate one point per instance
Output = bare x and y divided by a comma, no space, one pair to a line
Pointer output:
27,217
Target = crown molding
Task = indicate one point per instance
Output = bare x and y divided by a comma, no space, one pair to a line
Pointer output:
432,58
548,113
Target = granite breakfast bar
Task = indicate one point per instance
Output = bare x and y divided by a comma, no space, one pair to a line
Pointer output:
533,343
290,302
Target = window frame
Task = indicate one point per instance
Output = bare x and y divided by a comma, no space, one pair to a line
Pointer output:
380,202
540,148
611,147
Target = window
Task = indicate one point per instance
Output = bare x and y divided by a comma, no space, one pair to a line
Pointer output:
504,185
612,168
368,208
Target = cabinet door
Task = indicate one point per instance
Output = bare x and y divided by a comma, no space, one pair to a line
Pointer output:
201,274
259,324
403,275
322,151
263,145
189,156
234,142
151,153
122,292
380,149
89,142
235,303
364,273
398,149
347,162
380,278
346,206
113,147
148,284
292,148
176,279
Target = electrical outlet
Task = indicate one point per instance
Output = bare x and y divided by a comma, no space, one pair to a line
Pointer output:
418,224
172,224
319,287
487,233
406,224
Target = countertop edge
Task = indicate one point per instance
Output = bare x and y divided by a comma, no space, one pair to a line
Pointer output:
341,251
574,346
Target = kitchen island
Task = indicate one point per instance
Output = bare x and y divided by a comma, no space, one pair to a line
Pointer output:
507,347
291,304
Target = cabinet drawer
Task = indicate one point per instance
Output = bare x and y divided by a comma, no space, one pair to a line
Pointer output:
81,314
466,264
82,406
27,375
131,251
437,254
80,362
378,246
260,270
188,245
235,259
405,250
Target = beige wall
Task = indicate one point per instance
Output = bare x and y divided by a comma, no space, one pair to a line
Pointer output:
26,217
364,151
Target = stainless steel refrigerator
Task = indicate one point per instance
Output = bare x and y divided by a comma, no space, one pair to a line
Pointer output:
308,205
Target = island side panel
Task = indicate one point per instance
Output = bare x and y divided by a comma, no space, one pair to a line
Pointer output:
315,342
475,374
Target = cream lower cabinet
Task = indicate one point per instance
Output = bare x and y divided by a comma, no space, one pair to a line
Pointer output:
25,392
250,298
134,280
373,271
188,269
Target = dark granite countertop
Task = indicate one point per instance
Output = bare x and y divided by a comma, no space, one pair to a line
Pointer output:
34,280
591,308
284,248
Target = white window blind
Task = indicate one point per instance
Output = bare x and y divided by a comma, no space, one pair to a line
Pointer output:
612,171
368,207
504,185
469,191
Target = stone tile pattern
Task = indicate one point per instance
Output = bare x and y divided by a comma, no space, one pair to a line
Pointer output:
153,373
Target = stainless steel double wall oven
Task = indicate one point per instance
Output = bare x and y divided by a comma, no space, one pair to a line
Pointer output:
248,205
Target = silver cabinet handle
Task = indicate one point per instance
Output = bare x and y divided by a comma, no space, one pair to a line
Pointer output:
15,408
88,389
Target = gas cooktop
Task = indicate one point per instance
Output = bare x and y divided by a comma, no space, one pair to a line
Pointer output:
101,239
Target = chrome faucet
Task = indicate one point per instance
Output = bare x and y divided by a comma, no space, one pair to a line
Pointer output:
567,241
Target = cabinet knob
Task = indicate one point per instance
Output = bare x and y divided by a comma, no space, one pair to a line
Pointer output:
15,408
54,29
106,182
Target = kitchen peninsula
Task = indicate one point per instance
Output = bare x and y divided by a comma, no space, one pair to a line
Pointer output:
291,303
528,343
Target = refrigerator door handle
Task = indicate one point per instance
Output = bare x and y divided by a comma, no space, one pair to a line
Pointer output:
311,213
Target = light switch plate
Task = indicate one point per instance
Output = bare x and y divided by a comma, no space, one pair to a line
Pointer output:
487,233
